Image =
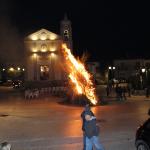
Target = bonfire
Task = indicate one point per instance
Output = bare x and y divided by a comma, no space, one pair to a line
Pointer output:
80,79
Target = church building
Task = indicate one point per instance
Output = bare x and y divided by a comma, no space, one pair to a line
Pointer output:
43,53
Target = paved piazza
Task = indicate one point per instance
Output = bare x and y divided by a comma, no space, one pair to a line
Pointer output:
44,124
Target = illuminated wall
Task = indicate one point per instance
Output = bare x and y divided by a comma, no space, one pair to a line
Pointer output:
43,58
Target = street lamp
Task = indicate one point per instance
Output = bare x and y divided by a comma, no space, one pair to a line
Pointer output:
143,70
114,68
11,69
111,72
18,68
143,77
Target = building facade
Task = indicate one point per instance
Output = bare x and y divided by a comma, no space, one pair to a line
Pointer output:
44,60
131,67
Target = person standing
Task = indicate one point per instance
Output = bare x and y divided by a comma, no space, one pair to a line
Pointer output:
124,93
129,89
107,90
147,91
92,133
117,91
86,110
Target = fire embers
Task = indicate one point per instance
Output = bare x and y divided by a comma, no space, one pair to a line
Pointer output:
80,79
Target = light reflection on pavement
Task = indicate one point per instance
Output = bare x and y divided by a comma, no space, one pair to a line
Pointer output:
44,124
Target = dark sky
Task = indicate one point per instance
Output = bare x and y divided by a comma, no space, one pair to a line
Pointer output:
106,29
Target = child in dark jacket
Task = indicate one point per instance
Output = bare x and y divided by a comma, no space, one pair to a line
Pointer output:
91,133
87,109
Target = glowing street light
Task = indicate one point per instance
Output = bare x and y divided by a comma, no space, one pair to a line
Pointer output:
4,69
111,72
11,69
18,68
111,68
143,70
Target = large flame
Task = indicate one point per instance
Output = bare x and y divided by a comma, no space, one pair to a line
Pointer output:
79,76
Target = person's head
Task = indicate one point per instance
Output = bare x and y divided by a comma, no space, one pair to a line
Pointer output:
87,107
5,146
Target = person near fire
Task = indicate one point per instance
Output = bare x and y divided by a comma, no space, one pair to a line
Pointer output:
92,133
86,110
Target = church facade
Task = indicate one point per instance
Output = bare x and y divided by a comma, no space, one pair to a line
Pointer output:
44,60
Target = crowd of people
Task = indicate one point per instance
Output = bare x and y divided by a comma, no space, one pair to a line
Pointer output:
124,90
121,91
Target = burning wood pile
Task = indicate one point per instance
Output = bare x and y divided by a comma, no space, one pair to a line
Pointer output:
80,79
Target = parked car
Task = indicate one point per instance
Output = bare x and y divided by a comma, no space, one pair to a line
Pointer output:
17,84
142,141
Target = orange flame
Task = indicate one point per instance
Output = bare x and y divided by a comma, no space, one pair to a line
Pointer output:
79,76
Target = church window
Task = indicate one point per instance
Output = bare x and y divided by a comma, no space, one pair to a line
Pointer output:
43,48
66,33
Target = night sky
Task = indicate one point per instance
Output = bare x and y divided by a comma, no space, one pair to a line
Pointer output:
105,29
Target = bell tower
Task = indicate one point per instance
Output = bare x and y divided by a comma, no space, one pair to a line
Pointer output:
66,31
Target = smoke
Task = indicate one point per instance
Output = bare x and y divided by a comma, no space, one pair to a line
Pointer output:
11,45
